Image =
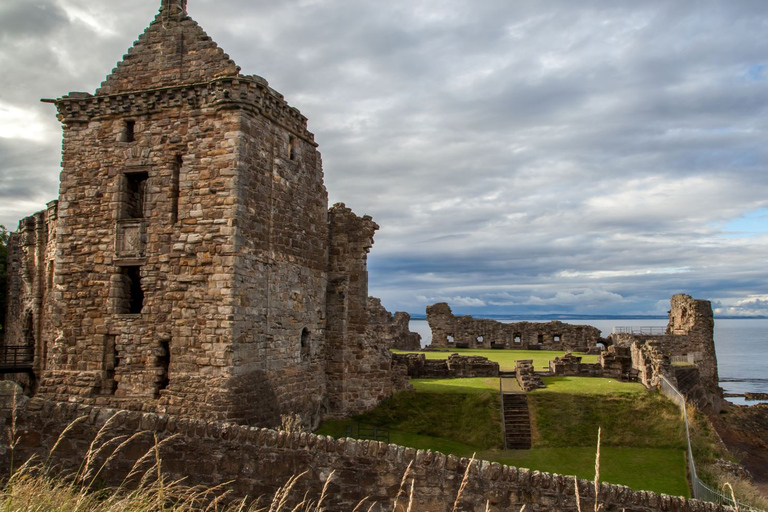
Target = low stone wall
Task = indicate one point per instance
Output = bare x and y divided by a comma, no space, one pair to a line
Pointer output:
256,461
571,366
526,376
455,367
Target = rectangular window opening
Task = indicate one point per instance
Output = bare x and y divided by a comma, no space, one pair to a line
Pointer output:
292,147
132,293
135,191
130,131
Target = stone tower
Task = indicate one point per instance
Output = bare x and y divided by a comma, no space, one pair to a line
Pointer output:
198,270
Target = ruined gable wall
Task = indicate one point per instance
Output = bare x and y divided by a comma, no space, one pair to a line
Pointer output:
358,368
468,332
692,323
257,461
184,147
173,50
390,331
281,272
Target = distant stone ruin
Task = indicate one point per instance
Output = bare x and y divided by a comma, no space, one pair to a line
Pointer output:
689,336
450,331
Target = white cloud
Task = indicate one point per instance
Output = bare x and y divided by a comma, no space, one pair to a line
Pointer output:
588,156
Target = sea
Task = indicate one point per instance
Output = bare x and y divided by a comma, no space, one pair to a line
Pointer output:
741,345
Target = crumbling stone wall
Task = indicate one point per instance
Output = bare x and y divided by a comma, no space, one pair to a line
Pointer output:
692,323
30,270
571,366
454,367
690,331
392,331
526,376
614,363
450,331
256,461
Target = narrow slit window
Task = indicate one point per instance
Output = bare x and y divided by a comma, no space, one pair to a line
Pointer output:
305,349
164,363
111,362
175,191
292,147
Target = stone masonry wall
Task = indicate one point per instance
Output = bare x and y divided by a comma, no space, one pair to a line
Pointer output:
257,461
449,331
454,367
391,331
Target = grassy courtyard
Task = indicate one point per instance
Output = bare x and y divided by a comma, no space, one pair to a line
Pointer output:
506,358
642,436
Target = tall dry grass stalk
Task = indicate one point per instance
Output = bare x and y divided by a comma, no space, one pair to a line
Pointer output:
598,506
597,470
733,495
463,483
402,485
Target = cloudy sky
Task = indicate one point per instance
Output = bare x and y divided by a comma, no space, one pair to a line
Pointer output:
521,156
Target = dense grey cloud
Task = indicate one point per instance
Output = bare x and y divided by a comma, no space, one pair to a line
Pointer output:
527,156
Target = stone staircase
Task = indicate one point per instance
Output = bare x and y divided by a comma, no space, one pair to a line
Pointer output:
517,421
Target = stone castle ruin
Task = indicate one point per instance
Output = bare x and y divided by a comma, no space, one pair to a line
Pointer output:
191,265
688,339
450,331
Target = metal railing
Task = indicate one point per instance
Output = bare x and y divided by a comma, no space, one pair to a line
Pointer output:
367,431
650,330
691,358
700,490
16,357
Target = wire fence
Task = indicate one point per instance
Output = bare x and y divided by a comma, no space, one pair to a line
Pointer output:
700,490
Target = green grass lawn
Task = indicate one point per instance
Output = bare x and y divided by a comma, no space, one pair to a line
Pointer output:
506,358
658,469
642,436
590,386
